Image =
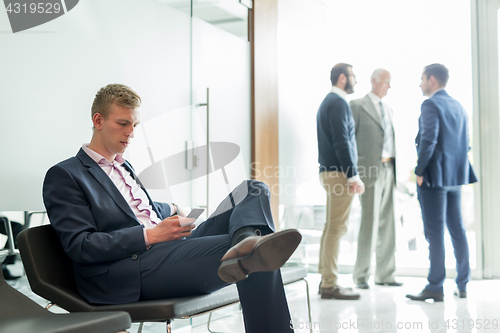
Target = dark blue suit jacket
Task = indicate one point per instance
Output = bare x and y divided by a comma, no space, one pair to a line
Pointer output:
337,149
443,143
97,229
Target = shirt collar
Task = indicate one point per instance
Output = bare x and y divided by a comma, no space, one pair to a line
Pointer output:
339,92
435,91
98,158
375,99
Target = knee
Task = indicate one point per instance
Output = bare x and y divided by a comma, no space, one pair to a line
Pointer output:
335,231
459,234
256,187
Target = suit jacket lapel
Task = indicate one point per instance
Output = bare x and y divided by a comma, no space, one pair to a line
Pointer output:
103,179
371,111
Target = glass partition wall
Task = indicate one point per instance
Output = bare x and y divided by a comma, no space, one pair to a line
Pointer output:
368,35
187,59
211,133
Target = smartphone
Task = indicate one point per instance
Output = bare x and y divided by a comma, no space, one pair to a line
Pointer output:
195,213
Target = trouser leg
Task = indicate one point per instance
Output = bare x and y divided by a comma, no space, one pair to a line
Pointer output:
189,267
339,200
386,239
458,236
433,203
264,304
369,217
247,205
183,268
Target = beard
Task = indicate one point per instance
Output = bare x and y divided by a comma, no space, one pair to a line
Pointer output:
349,88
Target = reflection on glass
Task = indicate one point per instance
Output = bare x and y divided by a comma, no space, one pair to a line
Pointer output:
228,15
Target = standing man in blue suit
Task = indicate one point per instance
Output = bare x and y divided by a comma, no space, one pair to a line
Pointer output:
338,173
126,247
443,166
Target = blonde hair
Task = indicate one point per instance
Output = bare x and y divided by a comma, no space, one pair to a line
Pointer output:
114,93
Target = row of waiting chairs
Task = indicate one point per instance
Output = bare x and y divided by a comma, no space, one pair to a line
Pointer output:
50,275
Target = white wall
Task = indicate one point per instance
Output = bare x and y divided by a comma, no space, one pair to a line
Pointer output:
51,73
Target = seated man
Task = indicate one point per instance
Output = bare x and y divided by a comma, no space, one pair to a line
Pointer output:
127,248
10,259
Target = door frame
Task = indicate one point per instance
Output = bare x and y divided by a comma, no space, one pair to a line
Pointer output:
486,134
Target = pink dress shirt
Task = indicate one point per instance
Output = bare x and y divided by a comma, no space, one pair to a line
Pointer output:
129,188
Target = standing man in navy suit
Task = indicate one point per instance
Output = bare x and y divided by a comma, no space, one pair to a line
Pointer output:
442,168
126,247
338,173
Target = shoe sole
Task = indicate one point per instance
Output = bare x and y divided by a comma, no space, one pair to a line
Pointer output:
363,287
389,284
436,299
270,255
348,298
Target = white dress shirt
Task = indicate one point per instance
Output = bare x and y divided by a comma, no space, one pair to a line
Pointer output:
388,131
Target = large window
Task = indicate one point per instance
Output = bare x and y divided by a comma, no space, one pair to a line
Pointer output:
402,37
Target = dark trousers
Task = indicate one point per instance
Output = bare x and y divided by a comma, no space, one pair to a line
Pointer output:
16,229
189,267
442,206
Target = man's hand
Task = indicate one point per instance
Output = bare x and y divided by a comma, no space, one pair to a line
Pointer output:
420,180
170,229
357,187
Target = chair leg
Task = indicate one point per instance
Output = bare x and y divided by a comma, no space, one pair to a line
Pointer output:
308,304
210,320
169,326
139,330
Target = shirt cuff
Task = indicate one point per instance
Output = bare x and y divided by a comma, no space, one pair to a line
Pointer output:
146,240
173,209
354,179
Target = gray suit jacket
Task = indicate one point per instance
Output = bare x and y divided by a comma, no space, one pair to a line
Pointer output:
369,138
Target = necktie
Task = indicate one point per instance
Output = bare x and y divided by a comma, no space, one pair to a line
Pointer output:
386,123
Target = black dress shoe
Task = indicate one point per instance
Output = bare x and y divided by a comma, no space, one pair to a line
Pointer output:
8,276
460,293
362,285
390,284
427,294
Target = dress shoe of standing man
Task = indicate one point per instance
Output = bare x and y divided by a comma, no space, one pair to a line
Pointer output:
338,158
442,168
377,169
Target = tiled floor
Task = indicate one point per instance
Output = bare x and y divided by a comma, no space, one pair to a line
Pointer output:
380,309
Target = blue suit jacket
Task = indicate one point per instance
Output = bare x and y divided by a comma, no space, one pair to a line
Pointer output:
97,229
443,143
337,149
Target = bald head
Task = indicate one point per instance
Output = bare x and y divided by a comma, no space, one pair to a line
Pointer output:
381,82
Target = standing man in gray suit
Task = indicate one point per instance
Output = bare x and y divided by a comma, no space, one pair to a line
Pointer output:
377,169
